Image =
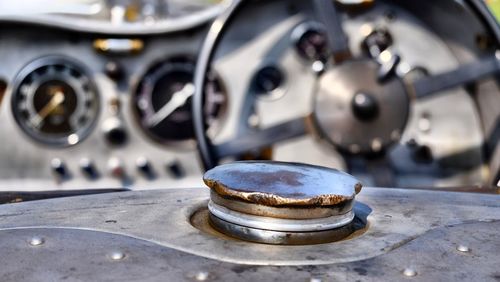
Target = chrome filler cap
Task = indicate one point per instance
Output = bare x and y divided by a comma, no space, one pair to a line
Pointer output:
281,203
276,184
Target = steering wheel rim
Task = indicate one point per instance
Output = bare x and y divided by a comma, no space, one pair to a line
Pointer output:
206,149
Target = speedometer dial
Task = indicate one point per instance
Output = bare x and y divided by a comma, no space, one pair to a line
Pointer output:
163,102
55,102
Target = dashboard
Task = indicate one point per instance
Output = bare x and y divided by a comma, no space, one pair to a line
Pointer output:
79,103
89,104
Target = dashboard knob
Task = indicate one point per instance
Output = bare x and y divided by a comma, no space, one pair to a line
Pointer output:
175,169
144,166
114,131
88,168
59,168
116,168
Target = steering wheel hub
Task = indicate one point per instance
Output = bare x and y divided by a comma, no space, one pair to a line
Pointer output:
357,112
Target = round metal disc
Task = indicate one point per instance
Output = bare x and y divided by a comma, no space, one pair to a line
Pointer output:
340,123
282,184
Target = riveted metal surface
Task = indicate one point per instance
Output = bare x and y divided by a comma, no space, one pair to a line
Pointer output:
282,184
395,217
155,250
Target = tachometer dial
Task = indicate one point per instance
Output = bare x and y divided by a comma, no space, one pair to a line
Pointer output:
55,102
163,102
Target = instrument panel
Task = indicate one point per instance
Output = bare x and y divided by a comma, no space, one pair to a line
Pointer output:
83,111
111,106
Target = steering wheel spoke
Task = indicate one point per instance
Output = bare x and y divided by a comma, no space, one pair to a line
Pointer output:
327,14
254,140
468,73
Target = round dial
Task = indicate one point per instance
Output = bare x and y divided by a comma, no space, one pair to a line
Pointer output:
55,102
163,101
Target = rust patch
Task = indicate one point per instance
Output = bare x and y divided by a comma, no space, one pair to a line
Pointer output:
280,184
268,199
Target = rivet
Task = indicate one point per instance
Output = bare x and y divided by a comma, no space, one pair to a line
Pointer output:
354,148
376,145
409,272
385,56
424,123
36,241
117,255
463,249
201,276
366,29
318,66
254,121
403,68
395,135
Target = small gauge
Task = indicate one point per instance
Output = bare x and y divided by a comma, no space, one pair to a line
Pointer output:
55,102
163,102
311,42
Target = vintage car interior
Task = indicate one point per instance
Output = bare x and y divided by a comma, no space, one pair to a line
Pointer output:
339,140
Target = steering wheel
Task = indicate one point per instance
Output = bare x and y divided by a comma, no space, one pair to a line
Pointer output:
361,104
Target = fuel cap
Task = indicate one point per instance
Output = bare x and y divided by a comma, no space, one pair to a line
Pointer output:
281,203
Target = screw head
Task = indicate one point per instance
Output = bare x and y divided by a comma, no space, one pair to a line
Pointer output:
318,66
364,106
36,241
463,249
201,276
116,255
409,272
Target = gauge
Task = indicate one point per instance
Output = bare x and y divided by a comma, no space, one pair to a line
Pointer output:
54,101
311,42
163,101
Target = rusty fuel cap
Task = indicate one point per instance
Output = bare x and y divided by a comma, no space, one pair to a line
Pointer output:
281,203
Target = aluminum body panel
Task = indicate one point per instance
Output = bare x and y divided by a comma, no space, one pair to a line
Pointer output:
25,163
84,255
395,218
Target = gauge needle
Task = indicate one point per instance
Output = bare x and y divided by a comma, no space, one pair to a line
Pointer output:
178,99
56,100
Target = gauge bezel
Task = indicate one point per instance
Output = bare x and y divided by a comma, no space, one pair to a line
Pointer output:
39,137
187,144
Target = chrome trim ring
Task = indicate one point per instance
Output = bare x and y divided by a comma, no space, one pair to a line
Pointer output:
278,224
